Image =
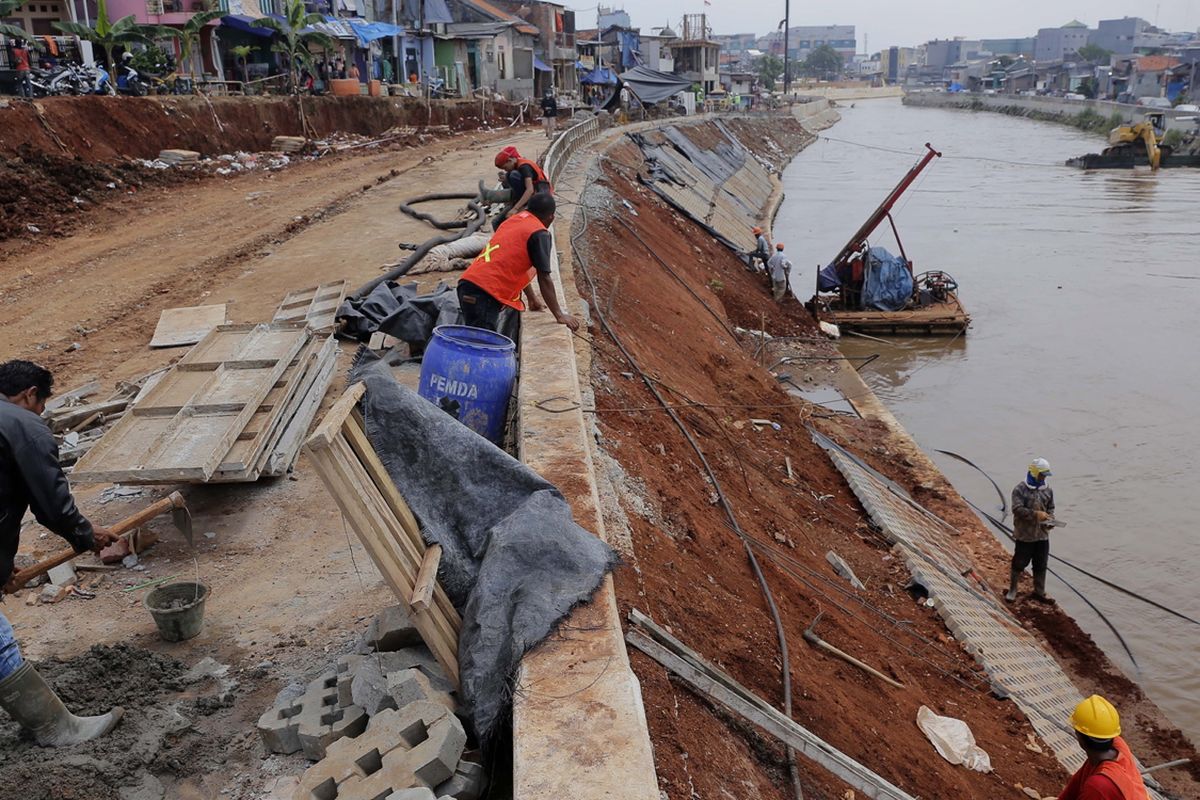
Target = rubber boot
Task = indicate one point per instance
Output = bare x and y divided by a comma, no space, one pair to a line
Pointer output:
33,704
1014,579
1039,589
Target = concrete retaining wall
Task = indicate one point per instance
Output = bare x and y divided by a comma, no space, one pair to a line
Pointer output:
1042,107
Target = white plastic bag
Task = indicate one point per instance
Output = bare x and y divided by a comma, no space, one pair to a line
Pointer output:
953,740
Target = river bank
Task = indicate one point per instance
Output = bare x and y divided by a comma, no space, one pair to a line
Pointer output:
1111,412
686,566
1094,116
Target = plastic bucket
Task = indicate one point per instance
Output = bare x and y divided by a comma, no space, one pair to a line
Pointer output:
178,609
345,87
469,373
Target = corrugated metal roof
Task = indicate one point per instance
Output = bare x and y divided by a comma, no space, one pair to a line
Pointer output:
1156,63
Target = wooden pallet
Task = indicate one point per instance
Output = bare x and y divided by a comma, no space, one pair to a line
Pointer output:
373,506
182,429
315,305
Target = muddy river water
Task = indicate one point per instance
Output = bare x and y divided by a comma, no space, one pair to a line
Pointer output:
1084,289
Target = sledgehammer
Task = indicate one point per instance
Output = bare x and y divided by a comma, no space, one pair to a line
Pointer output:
180,516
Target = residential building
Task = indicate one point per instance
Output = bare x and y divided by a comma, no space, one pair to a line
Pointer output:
894,62
1022,46
736,43
656,49
944,52
556,53
489,49
803,39
173,14
1056,44
607,16
696,56
1147,79
1128,35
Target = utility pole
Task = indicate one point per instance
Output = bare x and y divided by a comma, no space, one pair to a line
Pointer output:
787,22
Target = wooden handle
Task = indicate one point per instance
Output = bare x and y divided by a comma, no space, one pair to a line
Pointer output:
22,577
173,500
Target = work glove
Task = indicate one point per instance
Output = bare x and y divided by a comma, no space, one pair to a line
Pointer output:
1041,516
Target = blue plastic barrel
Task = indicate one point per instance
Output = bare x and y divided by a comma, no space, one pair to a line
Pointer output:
469,373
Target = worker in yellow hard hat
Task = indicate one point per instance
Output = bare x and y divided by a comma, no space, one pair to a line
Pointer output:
1110,773
1033,516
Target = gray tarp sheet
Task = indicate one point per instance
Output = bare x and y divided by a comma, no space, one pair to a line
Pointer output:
514,562
398,311
652,86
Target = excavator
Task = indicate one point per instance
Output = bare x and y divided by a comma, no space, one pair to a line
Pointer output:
1127,144
1126,141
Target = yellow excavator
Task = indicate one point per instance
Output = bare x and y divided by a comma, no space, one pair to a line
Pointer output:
1125,141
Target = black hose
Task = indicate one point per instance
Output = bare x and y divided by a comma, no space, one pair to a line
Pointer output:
777,619
472,226
407,208
999,491
1008,532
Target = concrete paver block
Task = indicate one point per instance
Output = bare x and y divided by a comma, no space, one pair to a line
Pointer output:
419,793
419,657
369,688
63,574
411,685
392,630
311,722
418,746
468,782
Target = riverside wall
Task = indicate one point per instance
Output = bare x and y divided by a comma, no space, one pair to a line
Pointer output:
1052,109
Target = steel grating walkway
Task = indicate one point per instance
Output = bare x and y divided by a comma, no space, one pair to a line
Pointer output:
1013,659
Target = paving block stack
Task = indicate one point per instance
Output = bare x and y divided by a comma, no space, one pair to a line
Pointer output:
179,157
380,723
288,144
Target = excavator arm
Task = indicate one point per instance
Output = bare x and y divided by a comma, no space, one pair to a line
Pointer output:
1152,151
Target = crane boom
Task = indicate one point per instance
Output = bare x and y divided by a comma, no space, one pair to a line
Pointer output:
885,208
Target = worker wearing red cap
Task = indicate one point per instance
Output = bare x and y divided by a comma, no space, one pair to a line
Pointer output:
523,177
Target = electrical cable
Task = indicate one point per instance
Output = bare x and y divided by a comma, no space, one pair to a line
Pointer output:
950,157
777,619
972,464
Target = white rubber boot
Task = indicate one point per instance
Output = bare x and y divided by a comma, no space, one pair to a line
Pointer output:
33,704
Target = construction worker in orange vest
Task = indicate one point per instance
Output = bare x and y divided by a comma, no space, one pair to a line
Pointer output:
1110,773
523,177
518,250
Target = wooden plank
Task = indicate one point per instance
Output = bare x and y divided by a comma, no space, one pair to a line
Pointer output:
66,398
287,448
331,425
356,436
426,579
214,407
772,721
367,516
315,305
180,326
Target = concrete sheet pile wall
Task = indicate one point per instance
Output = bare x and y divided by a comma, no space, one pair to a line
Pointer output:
705,172
1014,661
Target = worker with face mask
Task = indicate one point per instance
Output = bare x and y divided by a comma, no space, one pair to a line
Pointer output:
1033,516
1110,772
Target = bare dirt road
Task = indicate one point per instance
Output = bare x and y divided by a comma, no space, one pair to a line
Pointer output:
291,590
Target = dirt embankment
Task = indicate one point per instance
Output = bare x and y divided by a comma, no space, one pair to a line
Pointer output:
687,568
62,157
109,128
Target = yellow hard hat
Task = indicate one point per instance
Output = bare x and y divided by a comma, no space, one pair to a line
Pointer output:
1097,718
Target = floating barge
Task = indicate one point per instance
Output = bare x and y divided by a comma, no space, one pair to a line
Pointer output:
868,290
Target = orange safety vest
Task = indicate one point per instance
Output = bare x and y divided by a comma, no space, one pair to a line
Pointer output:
1124,773
539,174
504,268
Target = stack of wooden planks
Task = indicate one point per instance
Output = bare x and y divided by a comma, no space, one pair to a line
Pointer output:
236,408
379,515
316,305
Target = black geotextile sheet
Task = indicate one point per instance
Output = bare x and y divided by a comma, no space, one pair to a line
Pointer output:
397,310
514,562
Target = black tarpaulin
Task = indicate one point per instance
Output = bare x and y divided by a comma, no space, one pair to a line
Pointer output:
652,86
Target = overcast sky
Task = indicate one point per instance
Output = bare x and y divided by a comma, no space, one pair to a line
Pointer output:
893,22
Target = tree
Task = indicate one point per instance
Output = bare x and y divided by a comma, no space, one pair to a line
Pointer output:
242,54
293,41
1093,53
1087,88
189,36
770,68
823,62
110,35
